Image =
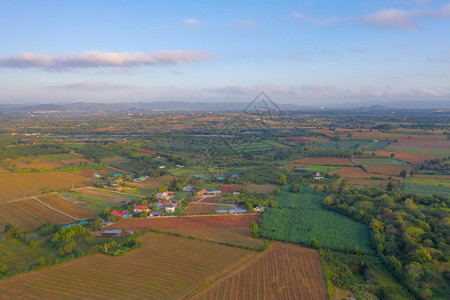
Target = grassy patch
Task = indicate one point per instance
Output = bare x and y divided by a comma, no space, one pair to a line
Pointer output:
426,190
317,168
422,151
93,203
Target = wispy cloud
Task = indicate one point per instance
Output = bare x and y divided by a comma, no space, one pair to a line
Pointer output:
96,59
404,19
192,22
316,21
92,86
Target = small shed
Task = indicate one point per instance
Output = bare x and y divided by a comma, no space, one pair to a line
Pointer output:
111,232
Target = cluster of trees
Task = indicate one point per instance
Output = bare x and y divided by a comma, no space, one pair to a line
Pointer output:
408,231
434,166
64,240
98,150
16,151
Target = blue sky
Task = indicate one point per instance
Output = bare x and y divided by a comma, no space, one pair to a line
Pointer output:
302,52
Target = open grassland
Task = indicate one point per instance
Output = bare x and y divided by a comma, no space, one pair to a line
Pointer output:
117,198
235,236
119,162
194,222
281,272
41,212
89,202
11,215
67,207
327,161
379,162
261,188
314,168
17,185
300,218
166,267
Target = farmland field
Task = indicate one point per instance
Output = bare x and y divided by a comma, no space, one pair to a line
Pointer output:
14,216
16,185
387,170
67,207
166,267
112,198
41,212
300,218
331,161
343,144
379,162
118,162
411,158
194,222
203,209
89,202
427,186
367,182
261,188
281,272
315,168
236,236
420,151
351,172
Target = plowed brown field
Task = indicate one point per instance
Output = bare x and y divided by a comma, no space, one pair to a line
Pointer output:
67,207
388,170
166,267
282,272
411,158
197,222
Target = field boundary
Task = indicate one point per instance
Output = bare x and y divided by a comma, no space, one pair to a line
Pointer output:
58,211
224,274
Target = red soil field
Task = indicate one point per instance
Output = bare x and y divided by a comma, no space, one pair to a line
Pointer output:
283,271
67,207
42,212
199,209
261,188
411,158
442,144
329,161
195,222
145,151
229,188
388,170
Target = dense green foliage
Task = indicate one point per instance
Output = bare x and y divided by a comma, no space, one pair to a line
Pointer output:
364,275
409,233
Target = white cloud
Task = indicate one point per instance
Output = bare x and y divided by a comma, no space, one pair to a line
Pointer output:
192,22
316,21
95,59
404,19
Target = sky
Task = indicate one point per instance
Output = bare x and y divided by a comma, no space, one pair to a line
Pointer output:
299,52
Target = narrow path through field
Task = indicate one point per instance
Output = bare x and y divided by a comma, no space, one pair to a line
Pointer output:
52,208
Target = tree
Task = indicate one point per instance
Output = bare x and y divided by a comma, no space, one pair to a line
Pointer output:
390,186
254,230
249,207
282,179
96,225
273,204
403,173
315,244
294,188
392,155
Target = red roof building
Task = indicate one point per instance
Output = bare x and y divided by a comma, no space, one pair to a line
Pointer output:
116,213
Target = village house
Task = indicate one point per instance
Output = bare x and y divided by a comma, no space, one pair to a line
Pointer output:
201,192
154,214
140,208
170,208
165,195
318,176
259,208
116,213
187,188
211,193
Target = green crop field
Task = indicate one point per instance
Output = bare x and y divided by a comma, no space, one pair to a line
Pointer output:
426,190
372,146
90,202
51,157
382,162
320,169
300,218
343,145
